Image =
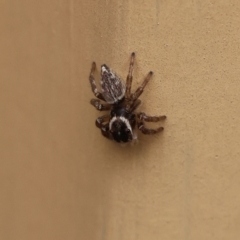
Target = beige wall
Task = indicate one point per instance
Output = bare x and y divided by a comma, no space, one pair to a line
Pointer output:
60,179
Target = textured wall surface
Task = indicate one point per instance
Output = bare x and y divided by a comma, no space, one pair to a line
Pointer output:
60,179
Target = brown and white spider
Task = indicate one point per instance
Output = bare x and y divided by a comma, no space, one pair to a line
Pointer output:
120,123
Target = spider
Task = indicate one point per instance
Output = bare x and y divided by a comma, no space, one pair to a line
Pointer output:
120,123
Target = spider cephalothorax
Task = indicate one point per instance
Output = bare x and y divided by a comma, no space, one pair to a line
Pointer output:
120,123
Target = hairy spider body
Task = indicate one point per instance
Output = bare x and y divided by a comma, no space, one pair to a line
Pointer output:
120,124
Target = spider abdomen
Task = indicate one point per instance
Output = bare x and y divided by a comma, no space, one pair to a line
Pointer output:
113,88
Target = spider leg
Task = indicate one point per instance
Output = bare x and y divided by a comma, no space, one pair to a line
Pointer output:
101,120
140,89
93,83
143,117
101,123
135,105
145,130
99,106
105,131
129,77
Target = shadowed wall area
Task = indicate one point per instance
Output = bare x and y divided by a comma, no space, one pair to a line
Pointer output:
60,179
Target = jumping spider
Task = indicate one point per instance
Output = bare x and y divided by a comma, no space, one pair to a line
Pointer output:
119,125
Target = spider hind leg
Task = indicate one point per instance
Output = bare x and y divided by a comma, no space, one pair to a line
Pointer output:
140,89
129,77
93,83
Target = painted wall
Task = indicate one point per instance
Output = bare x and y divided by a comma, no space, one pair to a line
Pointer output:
60,179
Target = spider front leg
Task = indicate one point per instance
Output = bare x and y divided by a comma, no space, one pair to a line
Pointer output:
140,89
143,117
99,106
129,77
93,83
103,123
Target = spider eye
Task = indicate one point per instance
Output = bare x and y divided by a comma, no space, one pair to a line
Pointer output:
120,131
